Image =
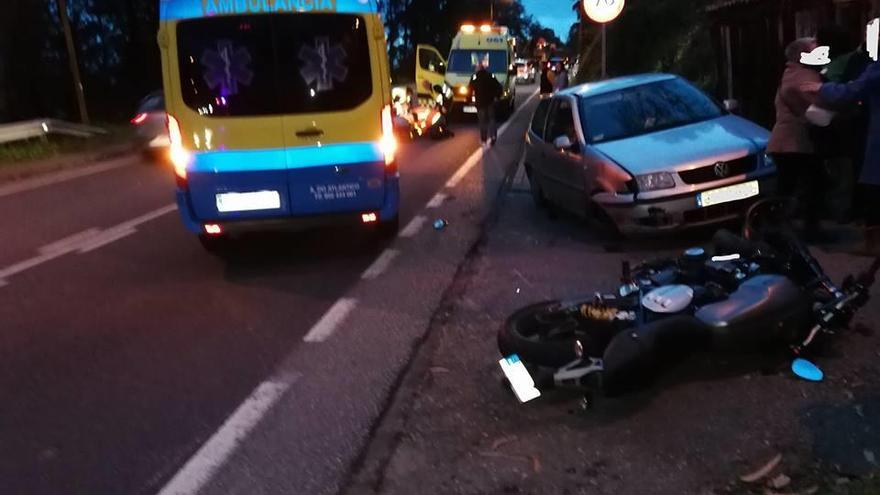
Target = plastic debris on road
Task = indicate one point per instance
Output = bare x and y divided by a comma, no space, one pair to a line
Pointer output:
440,224
806,370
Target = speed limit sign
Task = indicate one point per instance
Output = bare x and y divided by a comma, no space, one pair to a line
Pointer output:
603,10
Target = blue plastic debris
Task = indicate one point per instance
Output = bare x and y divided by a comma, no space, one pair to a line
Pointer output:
440,224
807,370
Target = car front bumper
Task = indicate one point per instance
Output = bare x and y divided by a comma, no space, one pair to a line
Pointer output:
669,214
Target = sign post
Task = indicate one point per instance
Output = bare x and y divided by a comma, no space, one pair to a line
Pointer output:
603,12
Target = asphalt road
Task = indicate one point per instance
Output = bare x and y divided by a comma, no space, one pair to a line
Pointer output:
129,357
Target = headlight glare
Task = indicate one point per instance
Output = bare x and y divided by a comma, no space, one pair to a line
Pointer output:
655,181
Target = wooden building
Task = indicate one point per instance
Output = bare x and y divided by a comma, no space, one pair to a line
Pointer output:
750,37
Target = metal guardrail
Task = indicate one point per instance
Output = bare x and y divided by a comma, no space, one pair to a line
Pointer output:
29,129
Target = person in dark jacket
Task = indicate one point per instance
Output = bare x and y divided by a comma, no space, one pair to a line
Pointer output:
486,90
865,89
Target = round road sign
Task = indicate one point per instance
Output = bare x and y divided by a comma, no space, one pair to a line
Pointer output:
603,10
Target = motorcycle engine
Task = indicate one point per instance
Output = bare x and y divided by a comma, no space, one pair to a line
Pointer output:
668,299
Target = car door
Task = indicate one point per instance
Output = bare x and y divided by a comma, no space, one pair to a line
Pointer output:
332,96
564,168
430,70
536,150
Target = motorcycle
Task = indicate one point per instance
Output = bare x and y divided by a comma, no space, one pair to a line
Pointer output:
416,117
744,292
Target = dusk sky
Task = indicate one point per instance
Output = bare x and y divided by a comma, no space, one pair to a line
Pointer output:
555,14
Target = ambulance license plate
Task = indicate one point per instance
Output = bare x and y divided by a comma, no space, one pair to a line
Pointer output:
248,201
470,109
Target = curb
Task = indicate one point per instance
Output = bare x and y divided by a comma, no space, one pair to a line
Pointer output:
31,169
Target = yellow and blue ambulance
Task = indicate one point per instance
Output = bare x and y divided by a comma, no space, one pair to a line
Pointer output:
279,113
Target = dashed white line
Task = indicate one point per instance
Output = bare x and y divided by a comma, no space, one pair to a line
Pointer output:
465,168
69,243
328,323
414,226
199,470
104,238
380,265
436,201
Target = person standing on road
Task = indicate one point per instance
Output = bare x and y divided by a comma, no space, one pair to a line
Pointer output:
865,89
561,81
486,90
790,144
546,82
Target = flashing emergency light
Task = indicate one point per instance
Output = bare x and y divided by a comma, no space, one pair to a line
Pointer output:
179,155
139,119
485,28
468,28
388,143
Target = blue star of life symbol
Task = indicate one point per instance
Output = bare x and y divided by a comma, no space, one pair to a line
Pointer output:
227,67
323,64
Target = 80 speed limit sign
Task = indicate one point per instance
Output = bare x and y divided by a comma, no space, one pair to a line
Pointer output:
603,10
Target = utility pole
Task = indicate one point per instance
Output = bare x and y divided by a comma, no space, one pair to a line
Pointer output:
604,54
74,65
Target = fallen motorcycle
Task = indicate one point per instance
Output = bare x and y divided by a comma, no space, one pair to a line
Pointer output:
748,292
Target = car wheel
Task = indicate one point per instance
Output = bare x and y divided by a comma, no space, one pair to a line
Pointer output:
215,244
535,188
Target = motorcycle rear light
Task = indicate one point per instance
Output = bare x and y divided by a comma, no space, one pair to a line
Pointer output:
213,229
180,157
139,119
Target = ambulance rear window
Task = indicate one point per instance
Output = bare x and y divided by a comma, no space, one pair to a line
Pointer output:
274,64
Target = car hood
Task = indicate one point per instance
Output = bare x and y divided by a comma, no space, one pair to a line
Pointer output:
681,148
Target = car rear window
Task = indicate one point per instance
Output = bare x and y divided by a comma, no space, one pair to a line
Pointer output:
274,64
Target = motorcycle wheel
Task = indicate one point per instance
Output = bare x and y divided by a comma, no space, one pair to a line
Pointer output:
543,334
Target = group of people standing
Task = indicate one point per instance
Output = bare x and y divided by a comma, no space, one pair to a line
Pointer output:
829,114
551,81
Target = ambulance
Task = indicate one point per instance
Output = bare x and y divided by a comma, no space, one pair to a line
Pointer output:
279,115
473,45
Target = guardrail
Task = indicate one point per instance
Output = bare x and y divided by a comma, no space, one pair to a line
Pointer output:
29,129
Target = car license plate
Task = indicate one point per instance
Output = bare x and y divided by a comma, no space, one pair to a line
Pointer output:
520,380
248,201
470,109
727,194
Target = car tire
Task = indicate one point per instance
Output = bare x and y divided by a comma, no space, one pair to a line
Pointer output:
535,188
388,229
215,244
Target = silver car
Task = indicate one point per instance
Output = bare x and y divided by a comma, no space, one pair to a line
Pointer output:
651,153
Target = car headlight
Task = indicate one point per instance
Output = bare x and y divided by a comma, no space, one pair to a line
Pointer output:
655,181
767,161
463,90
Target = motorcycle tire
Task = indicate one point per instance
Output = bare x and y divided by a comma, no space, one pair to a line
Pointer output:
524,334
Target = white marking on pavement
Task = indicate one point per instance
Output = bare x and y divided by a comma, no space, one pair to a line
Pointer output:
414,226
200,468
331,320
55,178
436,201
104,238
69,243
381,264
518,110
465,168
83,242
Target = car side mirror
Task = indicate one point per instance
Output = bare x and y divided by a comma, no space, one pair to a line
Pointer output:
731,105
563,143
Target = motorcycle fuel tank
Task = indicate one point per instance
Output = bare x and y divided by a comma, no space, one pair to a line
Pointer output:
668,299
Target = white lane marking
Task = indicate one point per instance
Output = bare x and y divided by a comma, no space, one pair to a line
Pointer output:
331,320
414,226
104,238
55,178
69,243
380,265
516,113
83,242
436,201
202,466
465,168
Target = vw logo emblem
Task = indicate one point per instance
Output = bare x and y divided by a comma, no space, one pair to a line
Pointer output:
722,170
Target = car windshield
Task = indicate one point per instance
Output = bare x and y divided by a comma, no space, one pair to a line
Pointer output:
643,109
465,61
277,64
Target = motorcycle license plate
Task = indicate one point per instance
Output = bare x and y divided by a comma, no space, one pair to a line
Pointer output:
470,109
520,380
727,194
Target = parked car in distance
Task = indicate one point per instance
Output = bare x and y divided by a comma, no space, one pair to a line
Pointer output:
150,123
651,153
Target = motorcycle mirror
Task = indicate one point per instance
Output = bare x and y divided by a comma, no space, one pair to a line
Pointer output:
806,370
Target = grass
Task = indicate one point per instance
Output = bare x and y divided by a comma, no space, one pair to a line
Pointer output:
55,145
